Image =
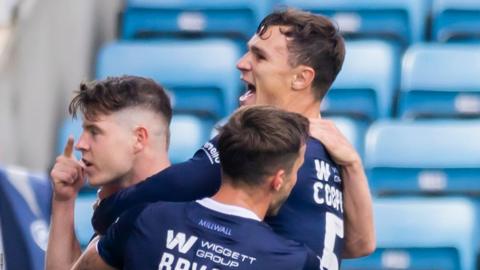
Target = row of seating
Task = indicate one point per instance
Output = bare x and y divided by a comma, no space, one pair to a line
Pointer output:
401,157
403,21
435,80
423,234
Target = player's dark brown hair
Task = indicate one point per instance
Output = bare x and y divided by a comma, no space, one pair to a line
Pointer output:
259,140
314,41
116,93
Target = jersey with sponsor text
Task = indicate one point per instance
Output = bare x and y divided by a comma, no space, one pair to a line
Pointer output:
313,214
200,235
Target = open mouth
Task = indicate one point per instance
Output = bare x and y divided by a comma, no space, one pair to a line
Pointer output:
86,162
250,87
250,90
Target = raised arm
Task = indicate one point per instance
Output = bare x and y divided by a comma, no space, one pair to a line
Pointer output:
194,179
91,260
359,226
67,178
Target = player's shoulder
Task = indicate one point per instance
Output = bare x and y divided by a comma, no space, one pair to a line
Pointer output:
163,208
273,241
287,253
316,151
315,146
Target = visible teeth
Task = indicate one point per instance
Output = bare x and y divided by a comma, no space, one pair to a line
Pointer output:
246,95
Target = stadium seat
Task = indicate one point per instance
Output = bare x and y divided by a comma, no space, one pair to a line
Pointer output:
399,20
365,86
70,127
353,130
440,80
422,234
200,74
456,20
25,200
441,156
188,134
226,18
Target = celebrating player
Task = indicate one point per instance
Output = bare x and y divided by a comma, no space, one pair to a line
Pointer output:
124,140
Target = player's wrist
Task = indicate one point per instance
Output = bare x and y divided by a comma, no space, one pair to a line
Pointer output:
60,199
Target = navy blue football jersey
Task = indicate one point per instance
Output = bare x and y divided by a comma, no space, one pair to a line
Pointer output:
199,235
313,214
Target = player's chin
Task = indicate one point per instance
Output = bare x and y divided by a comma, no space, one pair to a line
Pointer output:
96,180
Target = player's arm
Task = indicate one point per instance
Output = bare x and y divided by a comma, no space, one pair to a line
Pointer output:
194,179
359,227
67,178
90,259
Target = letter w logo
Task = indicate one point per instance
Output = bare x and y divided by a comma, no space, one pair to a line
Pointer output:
179,240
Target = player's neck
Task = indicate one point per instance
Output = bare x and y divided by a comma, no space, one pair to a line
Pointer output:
147,166
142,169
253,201
304,105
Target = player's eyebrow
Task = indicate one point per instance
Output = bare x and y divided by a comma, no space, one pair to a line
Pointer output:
91,127
259,51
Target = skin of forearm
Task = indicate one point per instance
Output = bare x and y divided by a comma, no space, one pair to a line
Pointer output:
359,225
63,247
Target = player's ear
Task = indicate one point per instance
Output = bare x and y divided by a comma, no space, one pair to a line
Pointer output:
303,77
278,180
141,138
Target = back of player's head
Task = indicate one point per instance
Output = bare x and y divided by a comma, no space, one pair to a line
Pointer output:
257,141
118,93
313,40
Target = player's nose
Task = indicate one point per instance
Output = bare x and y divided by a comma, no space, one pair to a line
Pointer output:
244,63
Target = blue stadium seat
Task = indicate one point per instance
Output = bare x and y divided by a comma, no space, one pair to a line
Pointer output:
423,234
456,20
353,130
366,84
25,201
400,20
441,156
440,80
198,79
188,134
154,18
70,127
83,215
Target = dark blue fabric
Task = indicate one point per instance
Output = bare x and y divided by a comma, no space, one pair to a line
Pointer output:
167,235
319,190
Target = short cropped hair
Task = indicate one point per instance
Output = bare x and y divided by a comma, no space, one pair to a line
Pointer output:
117,93
259,140
314,41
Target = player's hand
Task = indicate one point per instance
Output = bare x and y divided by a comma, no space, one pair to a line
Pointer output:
67,174
336,144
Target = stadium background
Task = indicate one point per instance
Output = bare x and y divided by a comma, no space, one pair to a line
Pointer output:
408,98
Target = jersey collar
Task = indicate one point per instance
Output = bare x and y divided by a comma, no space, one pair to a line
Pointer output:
228,209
